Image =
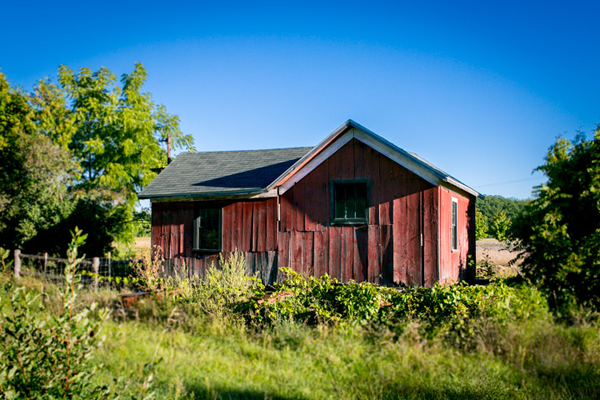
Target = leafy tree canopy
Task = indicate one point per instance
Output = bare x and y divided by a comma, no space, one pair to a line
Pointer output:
119,131
494,216
493,205
78,153
36,167
559,231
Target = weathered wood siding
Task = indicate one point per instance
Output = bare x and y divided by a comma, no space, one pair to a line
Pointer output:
249,226
406,240
172,225
454,263
398,245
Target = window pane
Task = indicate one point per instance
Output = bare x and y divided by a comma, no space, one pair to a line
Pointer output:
350,202
208,229
454,225
361,200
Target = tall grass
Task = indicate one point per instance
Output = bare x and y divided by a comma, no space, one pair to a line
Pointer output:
228,337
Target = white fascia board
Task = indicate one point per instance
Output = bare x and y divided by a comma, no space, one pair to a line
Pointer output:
464,187
318,160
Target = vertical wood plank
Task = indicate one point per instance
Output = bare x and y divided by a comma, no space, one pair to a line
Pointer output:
283,253
387,253
373,168
247,216
271,225
347,156
400,243
307,266
299,206
188,231
260,234
321,253
271,267
321,189
156,225
238,222
414,233
173,240
296,252
361,160
361,238
250,263
227,228
348,244
286,202
311,196
335,252
430,238
374,257
335,165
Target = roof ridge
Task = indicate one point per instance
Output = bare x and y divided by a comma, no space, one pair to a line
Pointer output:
247,150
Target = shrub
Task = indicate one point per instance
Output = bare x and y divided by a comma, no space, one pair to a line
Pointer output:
559,232
447,310
49,356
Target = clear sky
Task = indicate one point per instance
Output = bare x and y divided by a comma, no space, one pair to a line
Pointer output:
479,88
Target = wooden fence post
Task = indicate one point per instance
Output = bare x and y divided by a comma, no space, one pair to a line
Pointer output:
109,270
17,265
95,270
45,268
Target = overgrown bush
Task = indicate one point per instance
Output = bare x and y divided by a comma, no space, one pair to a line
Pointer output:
559,232
448,310
49,355
223,289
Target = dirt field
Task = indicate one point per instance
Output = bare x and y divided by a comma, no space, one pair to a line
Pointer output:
142,243
498,254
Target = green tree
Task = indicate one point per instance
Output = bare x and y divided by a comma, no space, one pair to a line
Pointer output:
118,138
500,226
559,231
491,205
35,168
481,226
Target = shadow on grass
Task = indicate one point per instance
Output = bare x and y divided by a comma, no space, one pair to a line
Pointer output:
578,384
198,392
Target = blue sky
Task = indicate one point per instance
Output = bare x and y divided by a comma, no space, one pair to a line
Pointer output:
480,89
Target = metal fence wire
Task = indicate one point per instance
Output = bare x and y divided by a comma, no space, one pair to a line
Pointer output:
92,271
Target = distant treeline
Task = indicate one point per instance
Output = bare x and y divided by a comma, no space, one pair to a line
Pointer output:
495,215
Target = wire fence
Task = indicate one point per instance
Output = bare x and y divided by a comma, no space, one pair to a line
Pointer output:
91,270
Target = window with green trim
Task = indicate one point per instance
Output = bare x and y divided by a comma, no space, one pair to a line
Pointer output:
454,225
207,230
350,202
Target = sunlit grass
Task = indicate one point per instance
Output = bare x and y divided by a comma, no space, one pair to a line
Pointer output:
295,362
189,355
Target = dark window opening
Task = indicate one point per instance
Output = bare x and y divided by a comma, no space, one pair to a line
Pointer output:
350,202
207,230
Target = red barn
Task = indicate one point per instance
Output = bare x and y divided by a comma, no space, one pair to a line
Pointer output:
355,207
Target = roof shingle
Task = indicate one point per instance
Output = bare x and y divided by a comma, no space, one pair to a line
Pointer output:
221,173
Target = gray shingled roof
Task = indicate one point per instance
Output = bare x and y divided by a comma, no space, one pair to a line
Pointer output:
221,173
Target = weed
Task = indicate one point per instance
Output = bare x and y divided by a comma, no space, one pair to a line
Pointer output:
49,355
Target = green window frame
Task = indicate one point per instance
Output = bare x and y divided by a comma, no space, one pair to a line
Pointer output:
207,230
350,202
